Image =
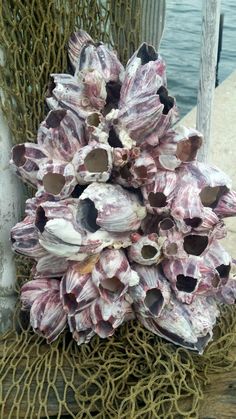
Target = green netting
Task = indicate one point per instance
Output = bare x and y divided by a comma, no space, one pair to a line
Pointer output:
134,374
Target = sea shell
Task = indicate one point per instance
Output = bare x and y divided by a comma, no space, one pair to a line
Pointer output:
211,181
164,153
184,276
65,231
189,326
188,142
144,74
69,92
96,56
76,42
227,292
61,134
120,156
107,316
56,178
218,258
226,206
46,313
93,163
58,234
173,246
144,115
156,194
146,250
24,239
112,275
26,159
186,206
77,291
94,87
137,171
80,325
111,208
152,293
50,266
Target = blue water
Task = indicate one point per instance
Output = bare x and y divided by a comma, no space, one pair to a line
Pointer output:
180,47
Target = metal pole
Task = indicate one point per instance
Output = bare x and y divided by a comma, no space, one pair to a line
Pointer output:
209,44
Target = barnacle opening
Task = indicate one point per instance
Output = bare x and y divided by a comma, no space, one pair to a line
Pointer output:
141,172
40,219
88,215
113,96
113,139
53,183
125,172
171,249
186,283
223,270
187,149
215,281
93,119
55,117
195,245
104,329
96,161
148,251
18,155
51,87
154,301
157,200
210,195
166,224
147,53
193,222
78,190
112,284
167,101
70,303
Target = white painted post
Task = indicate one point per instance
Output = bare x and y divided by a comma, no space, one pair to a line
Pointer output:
152,21
209,45
11,206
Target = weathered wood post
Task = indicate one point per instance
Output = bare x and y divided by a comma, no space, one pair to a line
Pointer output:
11,206
209,44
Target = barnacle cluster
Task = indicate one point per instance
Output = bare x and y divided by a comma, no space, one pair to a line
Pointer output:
125,222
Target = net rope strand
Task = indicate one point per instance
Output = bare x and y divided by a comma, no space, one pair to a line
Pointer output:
134,374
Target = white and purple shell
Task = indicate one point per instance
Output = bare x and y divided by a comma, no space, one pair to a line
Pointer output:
125,222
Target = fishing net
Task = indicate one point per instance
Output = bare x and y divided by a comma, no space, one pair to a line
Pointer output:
133,374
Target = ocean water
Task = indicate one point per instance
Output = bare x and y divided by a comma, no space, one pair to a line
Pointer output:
180,47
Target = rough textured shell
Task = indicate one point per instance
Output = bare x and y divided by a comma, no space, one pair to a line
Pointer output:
226,206
144,75
156,194
146,250
111,207
24,239
61,134
112,275
107,316
76,43
26,159
77,291
56,178
152,293
93,163
189,326
99,57
46,314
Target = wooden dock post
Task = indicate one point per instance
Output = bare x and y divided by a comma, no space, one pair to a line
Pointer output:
208,59
11,209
